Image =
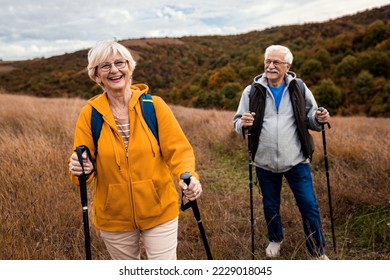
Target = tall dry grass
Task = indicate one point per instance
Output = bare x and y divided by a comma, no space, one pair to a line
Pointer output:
41,210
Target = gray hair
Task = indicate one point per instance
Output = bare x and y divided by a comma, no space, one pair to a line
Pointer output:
104,49
288,57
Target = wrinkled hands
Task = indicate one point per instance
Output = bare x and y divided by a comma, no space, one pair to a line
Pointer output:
194,190
322,115
75,167
247,119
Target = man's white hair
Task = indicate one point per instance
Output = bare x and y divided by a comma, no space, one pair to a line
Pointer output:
288,57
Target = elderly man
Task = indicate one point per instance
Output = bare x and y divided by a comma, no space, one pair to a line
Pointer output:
279,109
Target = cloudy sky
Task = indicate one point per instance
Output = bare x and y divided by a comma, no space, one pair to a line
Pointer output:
43,28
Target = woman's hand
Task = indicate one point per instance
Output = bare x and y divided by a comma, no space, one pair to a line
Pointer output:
194,190
75,167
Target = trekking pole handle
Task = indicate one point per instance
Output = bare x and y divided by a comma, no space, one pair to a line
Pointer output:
186,177
79,151
83,177
321,109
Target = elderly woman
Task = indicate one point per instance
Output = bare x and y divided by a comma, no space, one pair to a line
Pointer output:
135,193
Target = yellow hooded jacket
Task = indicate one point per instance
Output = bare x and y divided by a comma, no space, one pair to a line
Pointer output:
135,191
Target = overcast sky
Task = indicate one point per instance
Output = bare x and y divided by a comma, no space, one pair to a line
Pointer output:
43,28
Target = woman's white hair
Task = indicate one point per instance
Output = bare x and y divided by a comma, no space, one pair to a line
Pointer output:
288,57
104,49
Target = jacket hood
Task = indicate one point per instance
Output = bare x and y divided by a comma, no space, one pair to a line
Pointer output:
100,102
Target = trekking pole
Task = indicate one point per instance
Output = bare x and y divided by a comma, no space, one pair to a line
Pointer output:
186,177
327,179
84,200
250,165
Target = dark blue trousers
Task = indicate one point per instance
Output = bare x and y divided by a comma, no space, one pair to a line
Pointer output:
300,181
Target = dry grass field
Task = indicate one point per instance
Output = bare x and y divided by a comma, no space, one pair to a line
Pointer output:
41,215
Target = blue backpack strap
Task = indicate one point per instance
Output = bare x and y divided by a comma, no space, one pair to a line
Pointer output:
96,127
149,113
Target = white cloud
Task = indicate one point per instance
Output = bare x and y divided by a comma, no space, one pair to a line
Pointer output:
37,28
171,13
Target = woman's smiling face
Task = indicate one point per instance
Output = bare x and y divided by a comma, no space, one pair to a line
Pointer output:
114,73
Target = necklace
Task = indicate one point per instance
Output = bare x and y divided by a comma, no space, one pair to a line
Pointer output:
119,103
120,112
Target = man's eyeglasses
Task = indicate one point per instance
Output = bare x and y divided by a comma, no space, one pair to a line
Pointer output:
106,66
275,62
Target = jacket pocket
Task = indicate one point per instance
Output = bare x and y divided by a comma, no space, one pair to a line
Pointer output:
147,203
118,202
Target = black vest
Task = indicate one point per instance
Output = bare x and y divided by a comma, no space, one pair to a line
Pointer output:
257,105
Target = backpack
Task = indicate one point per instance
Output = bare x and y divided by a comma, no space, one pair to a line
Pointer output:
148,112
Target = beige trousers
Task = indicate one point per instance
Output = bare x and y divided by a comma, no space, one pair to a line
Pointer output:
160,242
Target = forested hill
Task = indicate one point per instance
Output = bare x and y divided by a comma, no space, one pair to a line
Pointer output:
345,62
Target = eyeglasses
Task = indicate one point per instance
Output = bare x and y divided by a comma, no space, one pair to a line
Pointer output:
106,66
275,62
